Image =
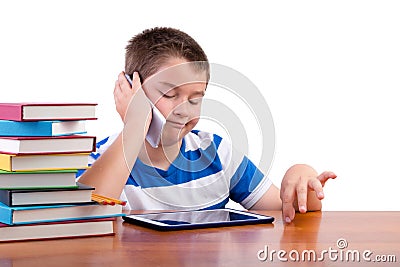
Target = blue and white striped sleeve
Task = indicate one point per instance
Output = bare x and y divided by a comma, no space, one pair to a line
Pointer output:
247,183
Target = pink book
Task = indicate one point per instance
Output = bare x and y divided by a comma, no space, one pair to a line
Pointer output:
47,111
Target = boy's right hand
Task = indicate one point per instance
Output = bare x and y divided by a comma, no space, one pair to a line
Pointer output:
123,93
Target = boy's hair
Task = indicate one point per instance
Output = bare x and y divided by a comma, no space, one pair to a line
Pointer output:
148,50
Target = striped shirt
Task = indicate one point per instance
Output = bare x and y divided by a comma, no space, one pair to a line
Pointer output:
205,175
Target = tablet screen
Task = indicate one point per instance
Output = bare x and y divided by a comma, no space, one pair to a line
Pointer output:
194,217
197,219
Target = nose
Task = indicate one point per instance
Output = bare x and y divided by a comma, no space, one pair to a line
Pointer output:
182,109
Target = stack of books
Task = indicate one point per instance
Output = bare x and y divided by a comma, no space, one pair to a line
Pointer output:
42,146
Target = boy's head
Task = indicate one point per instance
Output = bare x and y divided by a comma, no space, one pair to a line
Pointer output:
174,72
152,48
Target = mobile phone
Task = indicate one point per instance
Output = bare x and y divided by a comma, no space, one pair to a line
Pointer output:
183,220
156,125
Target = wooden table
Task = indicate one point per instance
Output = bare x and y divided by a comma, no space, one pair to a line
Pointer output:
377,232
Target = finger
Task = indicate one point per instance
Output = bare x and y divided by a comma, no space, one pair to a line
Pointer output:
123,82
136,84
301,191
117,88
315,184
325,176
287,196
123,90
119,95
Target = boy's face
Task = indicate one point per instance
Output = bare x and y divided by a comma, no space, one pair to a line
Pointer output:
177,90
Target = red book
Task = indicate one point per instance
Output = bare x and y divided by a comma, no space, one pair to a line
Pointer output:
47,111
18,145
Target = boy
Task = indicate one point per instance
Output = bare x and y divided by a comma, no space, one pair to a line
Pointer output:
189,169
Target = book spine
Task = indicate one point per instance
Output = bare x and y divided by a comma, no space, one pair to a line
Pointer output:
6,215
11,112
18,128
6,197
5,162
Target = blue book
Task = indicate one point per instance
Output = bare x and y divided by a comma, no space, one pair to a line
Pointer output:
54,213
41,128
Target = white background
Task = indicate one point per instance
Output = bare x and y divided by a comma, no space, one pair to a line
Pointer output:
329,72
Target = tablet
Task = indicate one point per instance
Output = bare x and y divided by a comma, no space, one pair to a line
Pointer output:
181,220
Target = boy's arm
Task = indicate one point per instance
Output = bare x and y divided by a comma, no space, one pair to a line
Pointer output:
295,193
269,201
110,171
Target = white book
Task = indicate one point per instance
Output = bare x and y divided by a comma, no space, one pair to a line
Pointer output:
65,229
47,145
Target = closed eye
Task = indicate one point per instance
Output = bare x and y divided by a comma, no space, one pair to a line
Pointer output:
195,101
168,96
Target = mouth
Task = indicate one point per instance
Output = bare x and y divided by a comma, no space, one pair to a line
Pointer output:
178,125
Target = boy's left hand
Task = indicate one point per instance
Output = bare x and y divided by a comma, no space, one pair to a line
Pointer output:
123,92
296,188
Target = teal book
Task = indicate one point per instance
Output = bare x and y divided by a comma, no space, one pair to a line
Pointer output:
54,213
41,128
